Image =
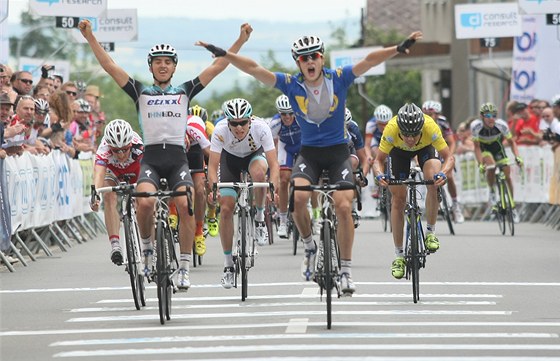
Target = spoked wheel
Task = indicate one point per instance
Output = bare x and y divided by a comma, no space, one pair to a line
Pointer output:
446,211
328,281
270,224
162,278
132,244
385,209
171,265
294,235
243,254
509,215
413,259
501,218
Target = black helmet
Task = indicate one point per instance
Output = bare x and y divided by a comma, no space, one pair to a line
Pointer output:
410,119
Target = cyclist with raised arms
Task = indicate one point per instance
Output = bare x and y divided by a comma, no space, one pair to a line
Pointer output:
374,129
409,134
488,135
242,142
318,95
162,110
287,138
118,155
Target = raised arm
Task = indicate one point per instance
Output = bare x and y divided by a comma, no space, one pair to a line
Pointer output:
107,63
221,63
244,64
378,56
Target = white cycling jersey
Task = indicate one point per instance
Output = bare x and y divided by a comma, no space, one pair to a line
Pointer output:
259,136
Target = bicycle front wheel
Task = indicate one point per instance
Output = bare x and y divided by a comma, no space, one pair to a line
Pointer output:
162,277
413,259
328,282
132,244
446,211
243,256
501,210
509,211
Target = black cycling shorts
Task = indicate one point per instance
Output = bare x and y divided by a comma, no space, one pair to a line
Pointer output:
335,159
169,161
400,160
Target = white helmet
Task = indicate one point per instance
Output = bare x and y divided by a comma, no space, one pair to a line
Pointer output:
307,45
162,50
41,106
118,133
237,108
347,116
382,114
84,105
431,105
283,104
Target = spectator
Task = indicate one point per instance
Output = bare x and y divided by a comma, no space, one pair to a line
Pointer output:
57,81
15,145
80,129
96,117
22,82
5,108
465,143
4,76
41,92
56,141
47,79
71,89
526,126
547,126
61,109
556,107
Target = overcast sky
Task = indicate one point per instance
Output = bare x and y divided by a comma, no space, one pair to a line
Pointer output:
297,10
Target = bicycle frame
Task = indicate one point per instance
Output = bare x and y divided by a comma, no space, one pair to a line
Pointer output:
505,203
244,250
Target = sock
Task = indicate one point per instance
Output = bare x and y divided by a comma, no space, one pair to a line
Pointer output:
316,213
198,230
283,217
308,242
399,252
346,266
430,228
259,217
114,239
185,260
228,259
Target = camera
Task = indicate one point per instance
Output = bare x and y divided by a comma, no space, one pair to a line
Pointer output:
549,135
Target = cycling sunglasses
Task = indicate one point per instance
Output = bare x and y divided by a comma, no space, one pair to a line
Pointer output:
307,57
489,115
121,150
241,123
409,135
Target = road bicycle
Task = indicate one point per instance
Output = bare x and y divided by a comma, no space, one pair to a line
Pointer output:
271,219
293,232
196,259
244,248
166,246
503,209
384,201
132,238
327,261
415,251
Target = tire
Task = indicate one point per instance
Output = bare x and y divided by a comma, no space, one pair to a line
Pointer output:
132,260
413,261
509,211
446,211
172,265
383,214
501,213
327,268
294,234
269,224
162,278
243,254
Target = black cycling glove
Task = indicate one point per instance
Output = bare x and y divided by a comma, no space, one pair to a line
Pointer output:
402,47
215,50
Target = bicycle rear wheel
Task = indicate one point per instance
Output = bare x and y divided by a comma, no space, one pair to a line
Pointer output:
132,254
444,206
501,210
270,223
162,277
383,214
294,234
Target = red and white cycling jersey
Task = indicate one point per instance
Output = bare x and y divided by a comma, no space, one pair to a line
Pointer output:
106,158
196,130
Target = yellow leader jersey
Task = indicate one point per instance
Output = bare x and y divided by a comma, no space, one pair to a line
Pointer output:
431,135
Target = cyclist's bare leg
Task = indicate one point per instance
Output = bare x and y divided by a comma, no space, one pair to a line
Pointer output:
345,231
227,206
301,215
398,202
507,173
110,212
490,175
431,167
451,186
258,169
186,222
145,210
199,197
285,175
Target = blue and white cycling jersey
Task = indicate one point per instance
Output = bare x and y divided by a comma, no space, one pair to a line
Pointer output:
289,135
355,136
163,112
373,129
325,132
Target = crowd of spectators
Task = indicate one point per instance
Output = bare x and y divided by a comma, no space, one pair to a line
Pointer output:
51,114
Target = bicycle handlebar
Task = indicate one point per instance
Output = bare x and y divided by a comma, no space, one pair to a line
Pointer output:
409,181
215,187
326,188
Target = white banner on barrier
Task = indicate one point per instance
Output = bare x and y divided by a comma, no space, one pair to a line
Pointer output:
43,189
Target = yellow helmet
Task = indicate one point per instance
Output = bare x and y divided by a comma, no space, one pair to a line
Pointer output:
199,112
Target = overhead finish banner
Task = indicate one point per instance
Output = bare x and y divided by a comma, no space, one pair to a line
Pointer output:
114,26
539,6
68,7
498,20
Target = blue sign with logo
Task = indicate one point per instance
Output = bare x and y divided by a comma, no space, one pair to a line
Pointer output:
471,20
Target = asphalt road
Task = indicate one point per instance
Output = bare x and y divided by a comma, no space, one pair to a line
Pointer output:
483,295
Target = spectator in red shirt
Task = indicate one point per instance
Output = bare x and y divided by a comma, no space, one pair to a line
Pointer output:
526,127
